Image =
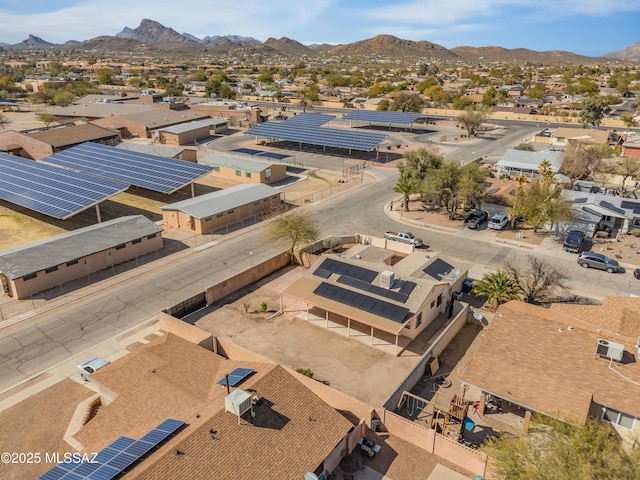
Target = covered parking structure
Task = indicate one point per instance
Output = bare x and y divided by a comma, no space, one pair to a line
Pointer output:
307,128
382,117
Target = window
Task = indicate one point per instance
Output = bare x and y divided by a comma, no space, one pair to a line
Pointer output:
136,240
439,300
636,222
418,319
51,269
265,200
30,276
433,304
618,418
247,174
120,247
208,219
220,215
238,173
72,262
153,235
257,203
229,212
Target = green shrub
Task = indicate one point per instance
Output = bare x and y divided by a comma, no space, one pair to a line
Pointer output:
305,371
263,306
635,232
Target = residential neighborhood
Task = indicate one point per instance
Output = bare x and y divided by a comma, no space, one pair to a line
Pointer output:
383,260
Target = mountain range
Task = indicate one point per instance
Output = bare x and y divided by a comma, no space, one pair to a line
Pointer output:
151,36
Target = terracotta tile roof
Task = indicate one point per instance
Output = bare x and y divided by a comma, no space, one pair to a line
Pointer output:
72,135
527,360
292,433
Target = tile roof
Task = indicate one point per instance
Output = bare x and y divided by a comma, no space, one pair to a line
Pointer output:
531,358
72,134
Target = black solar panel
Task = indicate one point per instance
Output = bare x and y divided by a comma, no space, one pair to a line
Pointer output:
322,273
580,200
261,153
362,302
612,207
382,116
438,269
312,119
346,269
50,190
118,456
636,209
235,377
628,204
317,135
152,172
171,425
407,287
398,296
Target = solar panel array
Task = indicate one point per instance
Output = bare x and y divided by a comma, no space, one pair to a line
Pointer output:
382,116
438,269
155,173
580,200
363,302
235,377
400,296
261,153
50,190
299,131
631,205
115,458
315,119
329,266
612,207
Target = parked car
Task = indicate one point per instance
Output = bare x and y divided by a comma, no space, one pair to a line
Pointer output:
475,219
404,237
573,241
597,260
91,366
636,273
498,221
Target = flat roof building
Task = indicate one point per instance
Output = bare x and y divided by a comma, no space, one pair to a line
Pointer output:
245,170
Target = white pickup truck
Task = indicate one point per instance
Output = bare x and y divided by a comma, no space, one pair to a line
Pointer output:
405,237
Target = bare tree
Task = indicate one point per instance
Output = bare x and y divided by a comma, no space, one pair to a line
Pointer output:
537,282
294,227
579,162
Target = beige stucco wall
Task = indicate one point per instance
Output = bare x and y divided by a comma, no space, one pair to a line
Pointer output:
86,265
177,219
186,138
278,173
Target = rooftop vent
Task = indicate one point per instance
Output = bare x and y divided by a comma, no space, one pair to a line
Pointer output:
610,350
237,402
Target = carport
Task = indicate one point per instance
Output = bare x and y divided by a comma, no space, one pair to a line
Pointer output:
336,314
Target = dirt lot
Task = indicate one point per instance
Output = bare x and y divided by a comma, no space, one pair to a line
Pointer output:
19,225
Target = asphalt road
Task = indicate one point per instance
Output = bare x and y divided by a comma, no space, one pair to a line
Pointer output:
34,344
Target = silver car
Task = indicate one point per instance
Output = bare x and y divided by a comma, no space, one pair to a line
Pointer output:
597,260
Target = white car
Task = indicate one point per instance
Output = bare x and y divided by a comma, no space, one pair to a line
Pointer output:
498,221
91,366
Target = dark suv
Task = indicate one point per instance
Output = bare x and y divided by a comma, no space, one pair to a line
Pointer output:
573,242
597,260
475,218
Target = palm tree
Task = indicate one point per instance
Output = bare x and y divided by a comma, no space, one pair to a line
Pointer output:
498,288
406,185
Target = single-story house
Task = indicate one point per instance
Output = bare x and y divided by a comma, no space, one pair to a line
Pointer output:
50,262
367,288
631,147
142,124
589,136
608,212
245,170
206,213
570,362
187,133
521,162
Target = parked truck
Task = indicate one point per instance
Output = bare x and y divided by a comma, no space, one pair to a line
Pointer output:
405,237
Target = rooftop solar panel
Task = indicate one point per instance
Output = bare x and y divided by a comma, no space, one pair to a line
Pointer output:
152,172
106,454
171,425
362,302
580,200
611,207
121,443
438,269
139,448
85,468
105,472
235,377
50,190
348,270
122,461
381,116
261,153
315,119
56,473
73,476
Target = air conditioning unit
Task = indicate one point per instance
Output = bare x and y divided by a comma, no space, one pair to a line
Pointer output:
610,350
386,279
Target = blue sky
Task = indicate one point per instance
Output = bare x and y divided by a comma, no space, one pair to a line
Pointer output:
589,27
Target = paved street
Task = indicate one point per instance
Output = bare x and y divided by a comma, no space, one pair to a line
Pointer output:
97,314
